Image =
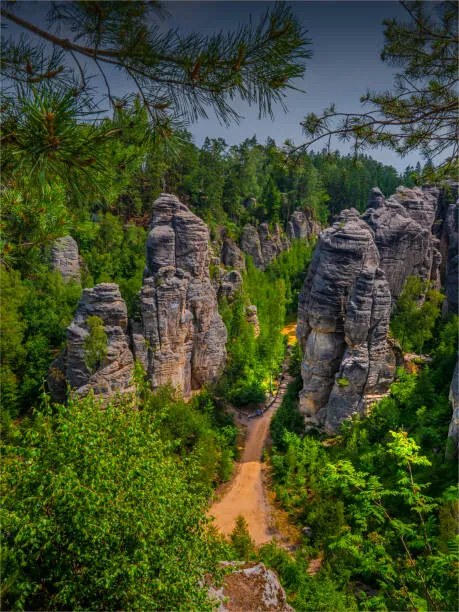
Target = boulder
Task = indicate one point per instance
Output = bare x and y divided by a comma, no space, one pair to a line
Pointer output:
65,258
251,586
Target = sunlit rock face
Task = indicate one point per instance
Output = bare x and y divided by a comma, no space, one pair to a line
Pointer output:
65,258
402,226
114,374
302,225
359,269
343,320
263,244
180,337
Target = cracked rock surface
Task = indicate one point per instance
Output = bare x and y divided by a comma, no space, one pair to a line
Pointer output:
180,337
343,318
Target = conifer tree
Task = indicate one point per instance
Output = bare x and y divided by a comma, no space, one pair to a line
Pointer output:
420,112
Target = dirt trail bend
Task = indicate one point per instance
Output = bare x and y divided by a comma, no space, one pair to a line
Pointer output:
246,494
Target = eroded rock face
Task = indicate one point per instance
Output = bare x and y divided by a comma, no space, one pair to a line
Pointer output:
452,259
251,586
302,225
180,338
402,226
251,315
115,373
230,284
453,431
263,244
65,258
231,255
343,319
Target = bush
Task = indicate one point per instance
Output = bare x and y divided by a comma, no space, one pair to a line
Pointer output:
247,393
98,514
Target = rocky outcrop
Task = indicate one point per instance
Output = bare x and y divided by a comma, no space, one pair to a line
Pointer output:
453,432
343,319
358,271
114,374
230,283
263,244
251,586
452,259
231,254
251,316
180,337
302,225
65,258
402,226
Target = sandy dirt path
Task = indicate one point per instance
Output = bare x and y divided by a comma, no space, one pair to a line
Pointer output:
246,493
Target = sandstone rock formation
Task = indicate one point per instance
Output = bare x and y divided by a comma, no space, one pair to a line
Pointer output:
402,226
251,586
343,319
263,244
65,258
115,373
453,432
229,284
180,337
231,254
251,316
358,271
302,225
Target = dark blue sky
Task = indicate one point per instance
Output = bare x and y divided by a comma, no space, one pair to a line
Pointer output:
347,38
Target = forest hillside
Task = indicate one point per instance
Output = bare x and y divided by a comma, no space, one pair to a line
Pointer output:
185,324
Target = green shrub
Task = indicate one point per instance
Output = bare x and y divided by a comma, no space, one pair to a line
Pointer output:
95,344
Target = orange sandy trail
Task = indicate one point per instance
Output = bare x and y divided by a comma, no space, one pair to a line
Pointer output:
246,494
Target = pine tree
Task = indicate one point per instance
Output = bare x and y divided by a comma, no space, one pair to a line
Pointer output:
420,112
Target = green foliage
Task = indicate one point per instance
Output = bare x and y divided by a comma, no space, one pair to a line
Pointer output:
105,508
241,541
419,113
381,500
254,63
95,344
413,322
114,252
308,593
34,315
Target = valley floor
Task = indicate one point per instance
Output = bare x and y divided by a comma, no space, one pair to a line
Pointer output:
246,494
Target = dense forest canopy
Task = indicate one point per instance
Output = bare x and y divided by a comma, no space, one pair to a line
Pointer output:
104,504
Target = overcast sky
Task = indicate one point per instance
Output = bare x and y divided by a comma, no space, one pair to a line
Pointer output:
347,39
